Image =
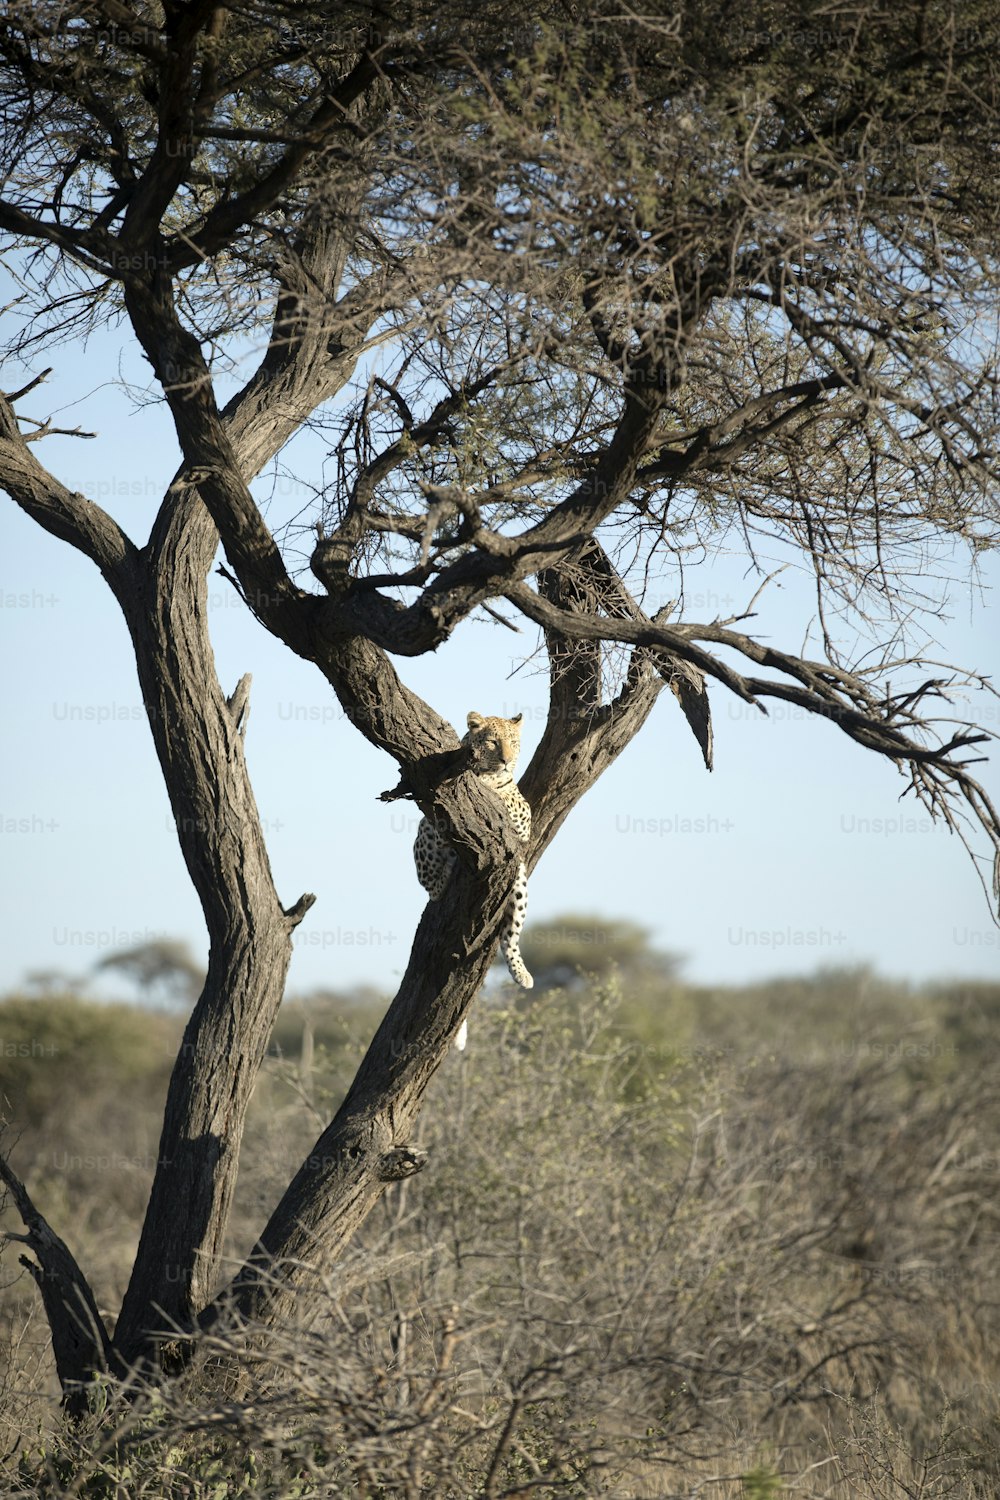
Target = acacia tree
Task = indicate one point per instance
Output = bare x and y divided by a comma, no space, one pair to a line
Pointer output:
639,282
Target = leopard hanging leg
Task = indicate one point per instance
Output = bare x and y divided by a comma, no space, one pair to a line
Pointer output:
511,936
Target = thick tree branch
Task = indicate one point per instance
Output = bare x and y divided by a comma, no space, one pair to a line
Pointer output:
79,1339
481,575
588,583
824,690
706,448
184,102
211,464
228,216
65,515
635,633
90,247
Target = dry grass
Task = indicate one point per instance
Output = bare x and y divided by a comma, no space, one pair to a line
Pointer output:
646,1259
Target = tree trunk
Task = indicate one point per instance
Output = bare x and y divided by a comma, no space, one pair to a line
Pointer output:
199,741
368,1142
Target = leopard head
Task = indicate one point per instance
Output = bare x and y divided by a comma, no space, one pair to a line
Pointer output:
493,743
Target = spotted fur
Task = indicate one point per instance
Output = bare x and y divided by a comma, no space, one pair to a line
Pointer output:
492,746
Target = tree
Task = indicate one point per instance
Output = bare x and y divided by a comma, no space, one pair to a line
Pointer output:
162,968
567,950
638,283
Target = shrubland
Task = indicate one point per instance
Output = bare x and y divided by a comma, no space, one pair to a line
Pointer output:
672,1240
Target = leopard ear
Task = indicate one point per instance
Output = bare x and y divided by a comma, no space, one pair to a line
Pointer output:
517,718
474,720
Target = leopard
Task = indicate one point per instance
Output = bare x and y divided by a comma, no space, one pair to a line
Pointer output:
492,745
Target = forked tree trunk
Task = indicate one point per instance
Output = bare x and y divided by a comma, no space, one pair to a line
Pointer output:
368,1143
198,735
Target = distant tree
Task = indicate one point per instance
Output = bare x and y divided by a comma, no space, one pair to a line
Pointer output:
644,284
164,971
53,982
563,951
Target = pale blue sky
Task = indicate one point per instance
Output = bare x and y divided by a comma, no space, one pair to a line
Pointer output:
794,853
